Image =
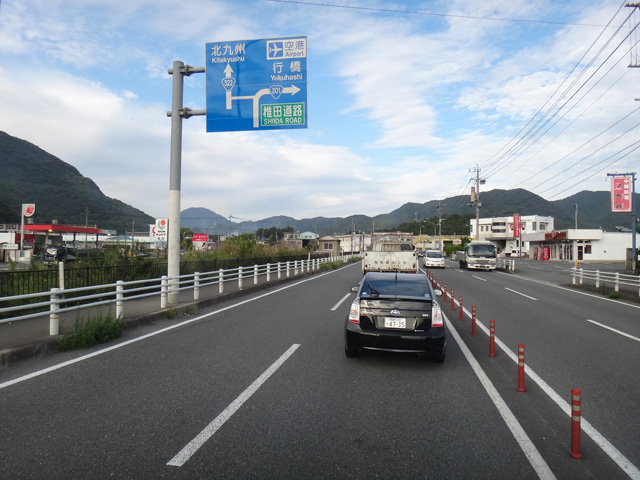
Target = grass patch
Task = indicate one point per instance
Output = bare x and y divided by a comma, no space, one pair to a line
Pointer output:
331,265
613,295
171,313
91,331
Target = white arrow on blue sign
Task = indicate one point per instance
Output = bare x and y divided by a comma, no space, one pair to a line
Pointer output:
256,84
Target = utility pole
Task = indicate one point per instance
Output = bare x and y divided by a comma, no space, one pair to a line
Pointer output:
475,199
439,210
86,225
230,217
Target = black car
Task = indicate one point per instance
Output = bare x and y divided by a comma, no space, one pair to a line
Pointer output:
395,312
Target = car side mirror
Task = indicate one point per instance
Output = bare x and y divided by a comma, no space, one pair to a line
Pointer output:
355,289
437,292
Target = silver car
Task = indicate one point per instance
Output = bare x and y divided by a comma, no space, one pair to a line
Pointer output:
434,259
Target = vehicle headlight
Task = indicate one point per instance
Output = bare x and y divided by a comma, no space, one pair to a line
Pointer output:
354,312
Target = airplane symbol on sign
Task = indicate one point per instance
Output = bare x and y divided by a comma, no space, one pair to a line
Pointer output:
274,50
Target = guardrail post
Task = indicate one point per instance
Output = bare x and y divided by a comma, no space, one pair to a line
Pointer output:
240,278
581,276
220,281
287,268
617,282
573,276
196,286
268,272
597,278
61,275
119,300
54,315
295,267
279,270
255,274
164,286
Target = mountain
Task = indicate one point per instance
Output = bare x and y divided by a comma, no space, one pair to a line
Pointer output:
59,191
594,211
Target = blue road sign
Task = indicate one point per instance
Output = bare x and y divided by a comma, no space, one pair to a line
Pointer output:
256,84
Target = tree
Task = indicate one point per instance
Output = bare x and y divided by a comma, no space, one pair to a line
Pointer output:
186,238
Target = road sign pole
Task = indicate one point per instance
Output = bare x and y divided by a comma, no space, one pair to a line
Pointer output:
173,255
177,112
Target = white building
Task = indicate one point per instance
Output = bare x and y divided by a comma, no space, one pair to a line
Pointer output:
499,230
582,245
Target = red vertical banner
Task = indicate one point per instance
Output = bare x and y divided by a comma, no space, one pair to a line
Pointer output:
621,194
516,225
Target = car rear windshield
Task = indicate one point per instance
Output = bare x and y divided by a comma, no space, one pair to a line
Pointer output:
390,287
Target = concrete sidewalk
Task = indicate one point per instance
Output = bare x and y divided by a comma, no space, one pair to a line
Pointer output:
25,339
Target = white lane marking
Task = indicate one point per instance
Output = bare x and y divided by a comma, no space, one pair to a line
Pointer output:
620,332
194,445
337,305
157,332
479,278
519,293
527,446
572,290
615,454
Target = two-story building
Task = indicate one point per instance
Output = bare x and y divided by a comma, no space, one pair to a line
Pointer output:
500,231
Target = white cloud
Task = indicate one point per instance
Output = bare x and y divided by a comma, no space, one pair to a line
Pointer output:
405,104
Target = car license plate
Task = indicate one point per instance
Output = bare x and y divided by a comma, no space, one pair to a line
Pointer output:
390,322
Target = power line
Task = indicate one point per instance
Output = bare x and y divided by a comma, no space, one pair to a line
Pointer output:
433,14
522,139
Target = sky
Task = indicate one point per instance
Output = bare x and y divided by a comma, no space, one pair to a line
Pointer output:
407,100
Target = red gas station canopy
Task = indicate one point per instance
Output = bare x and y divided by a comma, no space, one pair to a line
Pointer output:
51,228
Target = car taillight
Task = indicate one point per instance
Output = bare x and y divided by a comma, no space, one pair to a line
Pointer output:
354,312
436,315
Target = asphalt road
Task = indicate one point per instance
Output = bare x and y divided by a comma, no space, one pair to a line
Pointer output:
260,388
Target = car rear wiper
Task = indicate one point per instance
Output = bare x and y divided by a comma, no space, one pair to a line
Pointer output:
373,291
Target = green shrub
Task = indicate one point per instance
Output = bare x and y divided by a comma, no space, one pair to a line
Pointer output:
331,265
91,331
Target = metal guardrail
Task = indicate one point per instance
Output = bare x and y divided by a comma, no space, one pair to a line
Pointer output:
58,300
597,277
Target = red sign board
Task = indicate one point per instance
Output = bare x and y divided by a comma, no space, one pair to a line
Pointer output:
200,237
516,225
621,194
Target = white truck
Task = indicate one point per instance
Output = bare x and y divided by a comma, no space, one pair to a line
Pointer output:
478,255
390,256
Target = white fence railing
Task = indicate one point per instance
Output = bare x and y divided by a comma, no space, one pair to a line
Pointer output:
506,264
597,277
56,301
